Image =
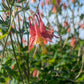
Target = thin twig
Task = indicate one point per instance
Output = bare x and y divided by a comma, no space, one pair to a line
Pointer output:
13,45
35,50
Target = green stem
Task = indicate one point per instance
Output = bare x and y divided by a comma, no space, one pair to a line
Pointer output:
13,45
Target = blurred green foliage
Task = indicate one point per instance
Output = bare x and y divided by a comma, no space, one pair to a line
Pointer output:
62,64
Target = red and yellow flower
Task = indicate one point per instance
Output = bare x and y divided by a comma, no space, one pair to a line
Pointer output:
38,33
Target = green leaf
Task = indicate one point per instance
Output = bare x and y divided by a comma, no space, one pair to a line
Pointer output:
82,16
2,80
80,79
54,2
4,6
2,36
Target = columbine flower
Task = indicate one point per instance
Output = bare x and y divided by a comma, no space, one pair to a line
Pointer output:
68,30
47,2
32,33
58,2
17,1
35,73
33,1
73,42
12,67
82,26
54,10
64,6
66,23
73,1
42,4
39,33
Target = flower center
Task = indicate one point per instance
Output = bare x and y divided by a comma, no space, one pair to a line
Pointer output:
39,40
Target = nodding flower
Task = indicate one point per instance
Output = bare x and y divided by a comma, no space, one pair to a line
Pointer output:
73,42
66,24
73,1
64,6
17,1
33,1
42,4
35,73
82,26
38,33
58,2
12,67
54,10
47,2
68,30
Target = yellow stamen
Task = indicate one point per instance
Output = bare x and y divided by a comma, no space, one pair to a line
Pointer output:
44,50
40,41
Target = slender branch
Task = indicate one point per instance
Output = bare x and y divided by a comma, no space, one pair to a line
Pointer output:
13,45
27,61
16,58
4,49
5,45
80,71
35,50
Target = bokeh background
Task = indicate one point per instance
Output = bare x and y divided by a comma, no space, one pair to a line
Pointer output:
63,61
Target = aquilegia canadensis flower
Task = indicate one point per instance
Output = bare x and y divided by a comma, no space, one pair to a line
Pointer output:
38,33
